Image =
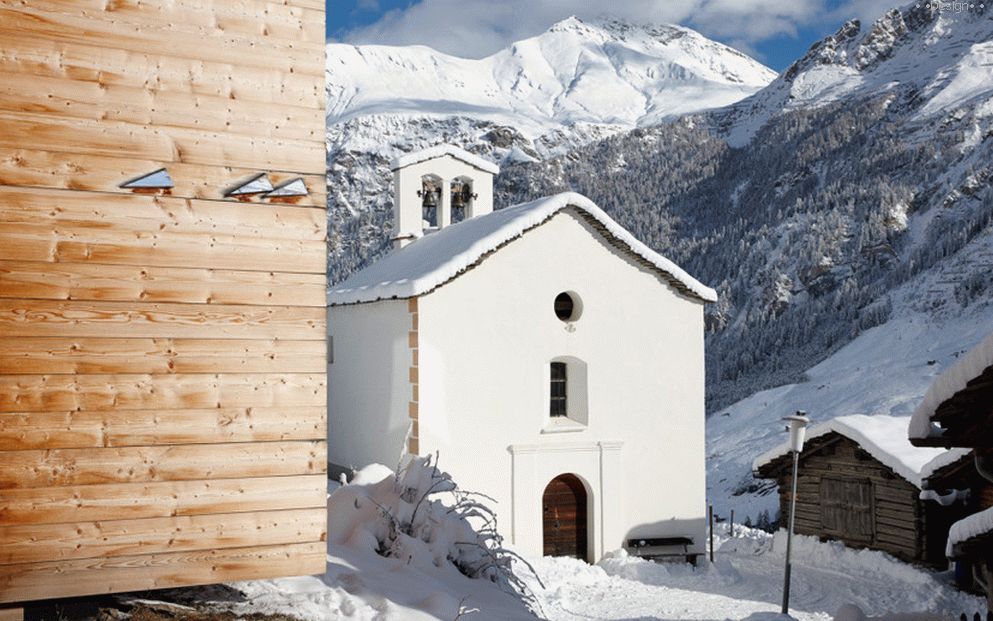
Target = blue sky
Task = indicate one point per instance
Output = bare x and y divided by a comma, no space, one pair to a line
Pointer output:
775,31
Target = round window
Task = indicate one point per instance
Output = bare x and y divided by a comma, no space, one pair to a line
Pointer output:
567,306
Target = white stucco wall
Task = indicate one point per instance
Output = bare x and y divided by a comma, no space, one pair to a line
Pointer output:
368,383
486,340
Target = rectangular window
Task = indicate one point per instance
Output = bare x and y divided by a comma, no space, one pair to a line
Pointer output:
558,401
846,508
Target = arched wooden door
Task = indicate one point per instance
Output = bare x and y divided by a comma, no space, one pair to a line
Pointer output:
564,509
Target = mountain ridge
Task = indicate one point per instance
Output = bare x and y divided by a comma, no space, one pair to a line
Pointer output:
594,71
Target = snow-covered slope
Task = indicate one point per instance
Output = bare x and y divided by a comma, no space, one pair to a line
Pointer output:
602,72
884,371
945,58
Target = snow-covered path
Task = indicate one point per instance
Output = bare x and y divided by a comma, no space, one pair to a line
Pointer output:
745,579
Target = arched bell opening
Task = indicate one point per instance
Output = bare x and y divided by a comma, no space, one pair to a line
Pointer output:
430,195
462,198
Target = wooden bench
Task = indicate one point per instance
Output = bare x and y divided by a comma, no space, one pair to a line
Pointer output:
648,548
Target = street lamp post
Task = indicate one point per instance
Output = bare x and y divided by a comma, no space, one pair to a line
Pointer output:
798,430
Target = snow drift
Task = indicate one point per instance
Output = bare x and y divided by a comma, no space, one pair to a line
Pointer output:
420,517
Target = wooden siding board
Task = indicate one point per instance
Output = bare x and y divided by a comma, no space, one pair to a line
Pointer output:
80,99
122,428
301,57
154,320
128,214
82,282
166,144
162,356
47,393
157,571
65,467
30,242
62,171
115,501
254,19
32,543
26,54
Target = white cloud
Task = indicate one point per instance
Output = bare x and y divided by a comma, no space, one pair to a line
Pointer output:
476,28
867,11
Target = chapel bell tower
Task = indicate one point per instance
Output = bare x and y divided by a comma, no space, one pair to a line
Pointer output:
438,187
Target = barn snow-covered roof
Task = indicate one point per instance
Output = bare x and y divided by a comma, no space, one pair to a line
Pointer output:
952,381
438,257
943,460
976,526
883,437
441,150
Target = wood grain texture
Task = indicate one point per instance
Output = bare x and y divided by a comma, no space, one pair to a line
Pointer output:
162,353
61,467
33,242
32,543
166,356
160,143
54,393
893,523
62,171
119,428
130,214
301,57
11,613
86,61
249,19
117,501
157,571
68,281
79,99
153,320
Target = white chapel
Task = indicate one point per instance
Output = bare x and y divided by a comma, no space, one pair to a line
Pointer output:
553,361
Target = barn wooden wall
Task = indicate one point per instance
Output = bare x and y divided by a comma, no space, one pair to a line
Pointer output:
162,358
900,520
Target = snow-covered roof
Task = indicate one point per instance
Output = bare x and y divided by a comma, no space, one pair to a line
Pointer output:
442,150
438,257
947,384
942,460
975,525
883,437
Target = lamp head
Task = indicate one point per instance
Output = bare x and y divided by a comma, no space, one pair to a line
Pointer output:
798,430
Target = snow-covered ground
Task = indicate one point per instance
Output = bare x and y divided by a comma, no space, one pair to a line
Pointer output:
746,579
745,582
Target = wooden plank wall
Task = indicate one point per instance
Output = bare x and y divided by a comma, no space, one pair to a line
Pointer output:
162,355
899,515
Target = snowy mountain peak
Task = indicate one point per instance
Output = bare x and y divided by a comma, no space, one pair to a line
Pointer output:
603,71
939,59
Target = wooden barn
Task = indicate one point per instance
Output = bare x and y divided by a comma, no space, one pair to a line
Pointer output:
957,411
860,483
162,294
